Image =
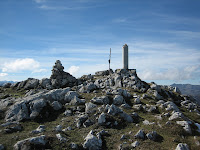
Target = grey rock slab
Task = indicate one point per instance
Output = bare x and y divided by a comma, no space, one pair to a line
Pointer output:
77,101
56,105
39,140
176,115
100,100
70,96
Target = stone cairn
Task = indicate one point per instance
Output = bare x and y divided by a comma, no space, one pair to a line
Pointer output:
60,78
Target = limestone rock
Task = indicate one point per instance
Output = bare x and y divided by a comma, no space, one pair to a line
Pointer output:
45,83
100,100
135,144
61,138
39,140
176,115
70,96
102,119
31,83
89,107
185,125
56,105
74,146
140,135
137,101
118,100
92,142
182,146
40,129
77,101
152,135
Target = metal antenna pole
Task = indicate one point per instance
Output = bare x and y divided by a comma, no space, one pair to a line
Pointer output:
109,59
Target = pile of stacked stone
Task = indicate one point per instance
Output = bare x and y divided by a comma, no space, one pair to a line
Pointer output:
60,78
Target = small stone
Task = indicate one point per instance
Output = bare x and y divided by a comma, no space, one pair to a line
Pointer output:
140,134
58,128
135,144
182,146
61,138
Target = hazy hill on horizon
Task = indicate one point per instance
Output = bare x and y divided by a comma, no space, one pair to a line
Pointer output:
189,89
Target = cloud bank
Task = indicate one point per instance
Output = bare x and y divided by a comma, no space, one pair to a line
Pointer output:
21,65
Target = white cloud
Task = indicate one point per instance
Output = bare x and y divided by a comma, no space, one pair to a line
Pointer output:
39,71
73,70
39,1
120,20
21,65
3,74
175,74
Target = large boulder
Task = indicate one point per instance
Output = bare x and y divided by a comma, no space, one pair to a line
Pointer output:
92,142
118,100
39,140
45,83
31,83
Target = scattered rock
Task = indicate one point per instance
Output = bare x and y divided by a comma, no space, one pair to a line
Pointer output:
135,144
137,101
40,129
185,125
74,146
39,140
70,96
89,107
118,100
77,101
176,115
152,135
182,146
61,138
100,100
146,122
58,128
140,135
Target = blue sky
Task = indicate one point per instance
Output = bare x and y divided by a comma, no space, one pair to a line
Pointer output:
163,38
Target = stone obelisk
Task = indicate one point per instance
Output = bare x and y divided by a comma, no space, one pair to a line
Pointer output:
125,56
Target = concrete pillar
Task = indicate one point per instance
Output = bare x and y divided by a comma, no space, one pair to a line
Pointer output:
125,56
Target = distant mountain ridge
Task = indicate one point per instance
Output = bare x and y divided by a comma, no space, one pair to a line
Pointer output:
3,82
189,89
